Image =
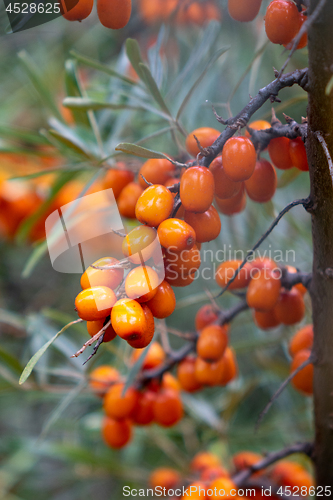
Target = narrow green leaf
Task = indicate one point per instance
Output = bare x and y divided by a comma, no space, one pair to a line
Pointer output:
12,319
135,370
134,55
73,90
34,258
77,141
85,103
329,86
287,177
203,411
153,88
36,357
135,150
27,136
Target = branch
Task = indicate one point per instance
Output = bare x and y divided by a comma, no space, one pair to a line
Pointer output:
92,340
322,141
288,280
291,130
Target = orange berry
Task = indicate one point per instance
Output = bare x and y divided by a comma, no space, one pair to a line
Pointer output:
170,382
168,408
94,327
226,271
181,263
154,205
141,283
245,459
304,39
155,171
143,340
266,319
303,380
102,277
291,474
229,367
239,158
279,152
290,307
212,473
143,413
186,375
102,377
298,154
128,319
164,477
204,460
300,287
282,21
261,186
176,233
303,339
207,225
163,303
114,15
76,11
262,264
208,373
224,187
154,356
197,189
119,405
257,125
264,290
180,279
140,244
212,342
233,205
117,179
243,10
205,135
223,484
205,316
95,303
196,491
116,433
128,199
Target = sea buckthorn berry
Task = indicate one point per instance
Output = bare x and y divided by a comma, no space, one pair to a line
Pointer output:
298,154
196,491
282,21
168,408
257,125
155,171
266,319
197,189
102,377
244,10
140,244
204,460
128,199
118,404
143,340
212,342
170,382
227,270
279,152
128,319
164,477
304,39
263,264
180,279
300,287
163,303
245,459
184,262
141,283
115,14
154,205
303,339
224,187
76,11
213,473
94,327
290,307
207,225
143,413
205,135
102,277
292,474
224,484
117,178
264,290
205,316
95,303
208,373
261,186
154,356
303,380
239,158
116,433
233,205
176,233
186,375
229,367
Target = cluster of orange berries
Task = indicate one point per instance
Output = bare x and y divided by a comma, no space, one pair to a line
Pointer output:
300,350
113,14
183,11
209,476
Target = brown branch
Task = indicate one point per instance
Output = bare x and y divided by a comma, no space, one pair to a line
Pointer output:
292,130
92,340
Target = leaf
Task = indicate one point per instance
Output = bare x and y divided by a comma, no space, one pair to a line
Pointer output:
85,103
10,361
287,177
134,55
72,140
201,409
27,136
135,150
34,258
12,319
73,90
135,370
36,357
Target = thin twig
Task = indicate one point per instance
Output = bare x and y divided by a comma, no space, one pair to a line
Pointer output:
92,340
322,141
98,343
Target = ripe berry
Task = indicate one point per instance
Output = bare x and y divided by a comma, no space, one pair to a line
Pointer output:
212,473
208,373
205,135
264,290
186,375
176,233
76,11
170,382
224,187
226,271
290,307
233,205
118,404
204,460
143,340
245,459
266,319
212,342
257,125
128,199
140,244
102,277
304,39
282,21
94,327
222,484
128,319
114,15
117,179
197,189
181,263
205,316
168,408
180,279
141,283
116,433
154,356
244,10
207,225
164,477
261,186
102,377
291,474
303,380
303,339
229,367
239,158
298,154
279,152
197,491
143,413
163,303
155,171
95,303
154,205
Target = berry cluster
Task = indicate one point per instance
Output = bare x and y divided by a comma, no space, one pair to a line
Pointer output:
182,12
113,14
300,348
